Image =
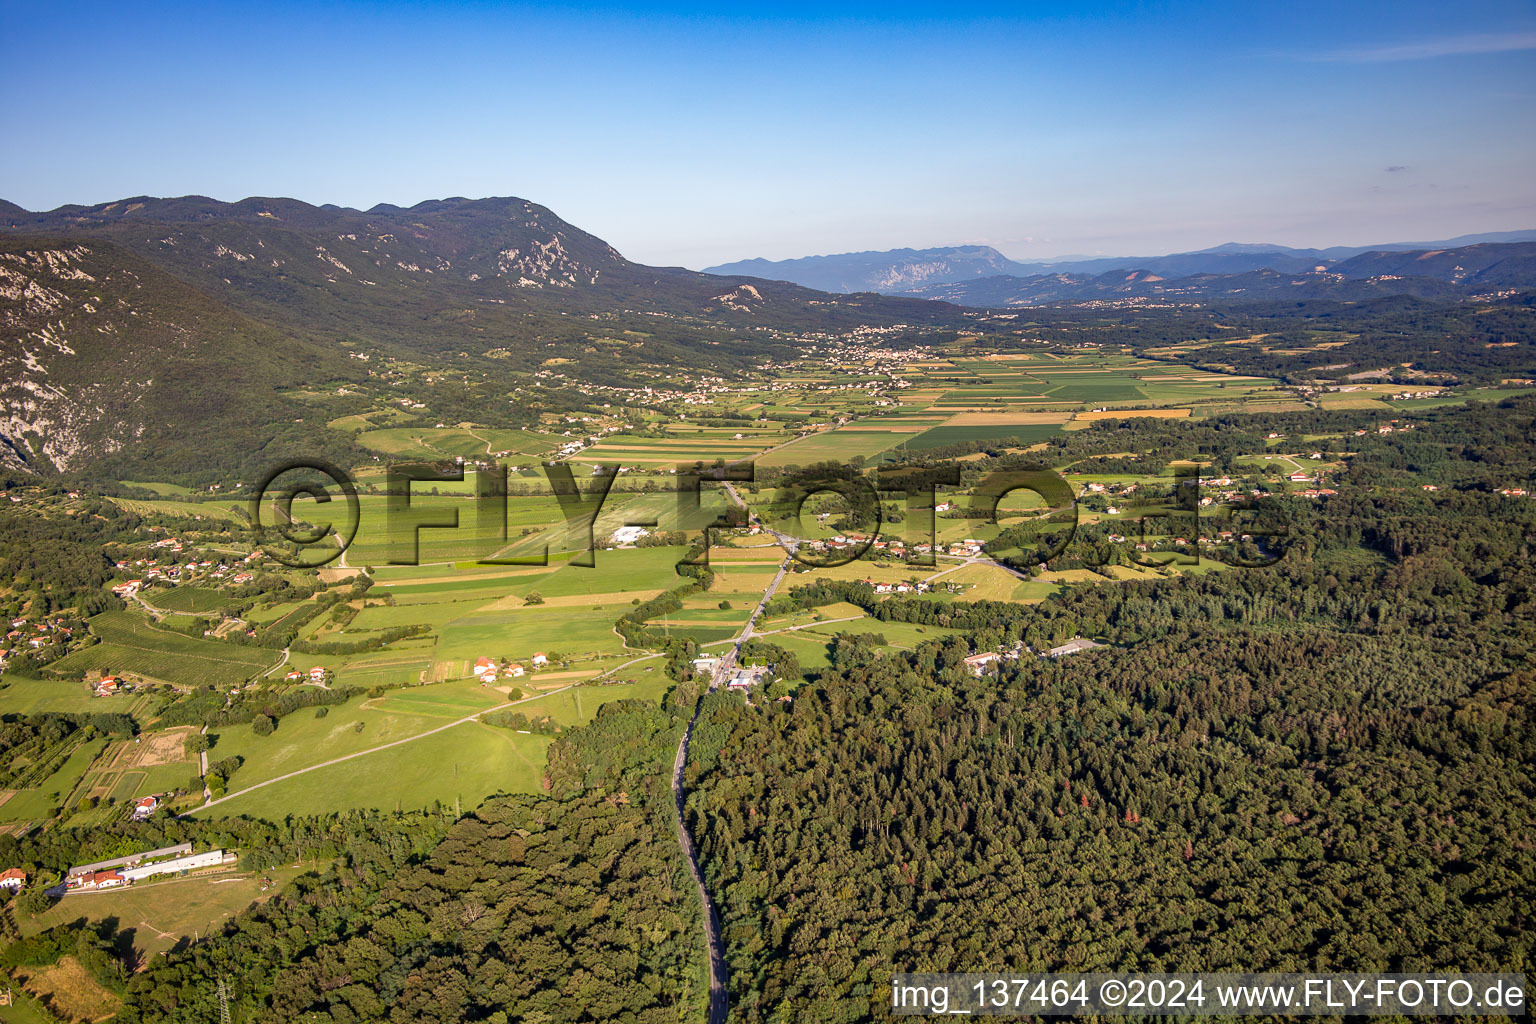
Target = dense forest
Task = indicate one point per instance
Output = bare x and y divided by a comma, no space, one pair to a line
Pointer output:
1325,764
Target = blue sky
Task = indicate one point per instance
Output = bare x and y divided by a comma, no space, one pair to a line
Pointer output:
684,135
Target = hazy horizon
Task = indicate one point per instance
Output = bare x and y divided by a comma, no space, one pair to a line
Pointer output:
687,137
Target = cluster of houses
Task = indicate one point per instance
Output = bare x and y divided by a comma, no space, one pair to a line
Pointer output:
1222,537
1386,428
867,346
317,675
121,871
744,678
968,548
919,587
33,635
1229,493
179,572
488,670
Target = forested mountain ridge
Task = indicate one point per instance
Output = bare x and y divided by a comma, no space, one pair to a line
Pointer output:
398,270
189,320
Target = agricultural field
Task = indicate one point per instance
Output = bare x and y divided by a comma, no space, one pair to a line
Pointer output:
463,764
40,802
159,487
193,600
151,764
1073,385
132,645
665,452
224,510
1023,433
468,442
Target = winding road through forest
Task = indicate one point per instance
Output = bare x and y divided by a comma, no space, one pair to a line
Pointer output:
719,1000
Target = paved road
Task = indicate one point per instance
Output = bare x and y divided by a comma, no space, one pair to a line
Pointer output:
372,750
279,665
719,1001
202,768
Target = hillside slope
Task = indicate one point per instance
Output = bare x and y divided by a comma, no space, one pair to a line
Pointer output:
165,333
101,352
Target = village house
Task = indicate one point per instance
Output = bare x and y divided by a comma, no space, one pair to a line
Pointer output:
515,671
539,659
979,663
144,807
13,879
98,880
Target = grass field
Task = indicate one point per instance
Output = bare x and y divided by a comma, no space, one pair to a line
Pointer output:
30,696
383,539
468,763
839,445
160,913
71,990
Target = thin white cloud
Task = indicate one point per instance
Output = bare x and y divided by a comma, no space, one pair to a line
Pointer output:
1448,46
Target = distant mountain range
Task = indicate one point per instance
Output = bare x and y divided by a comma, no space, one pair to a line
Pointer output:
924,271
1474,271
